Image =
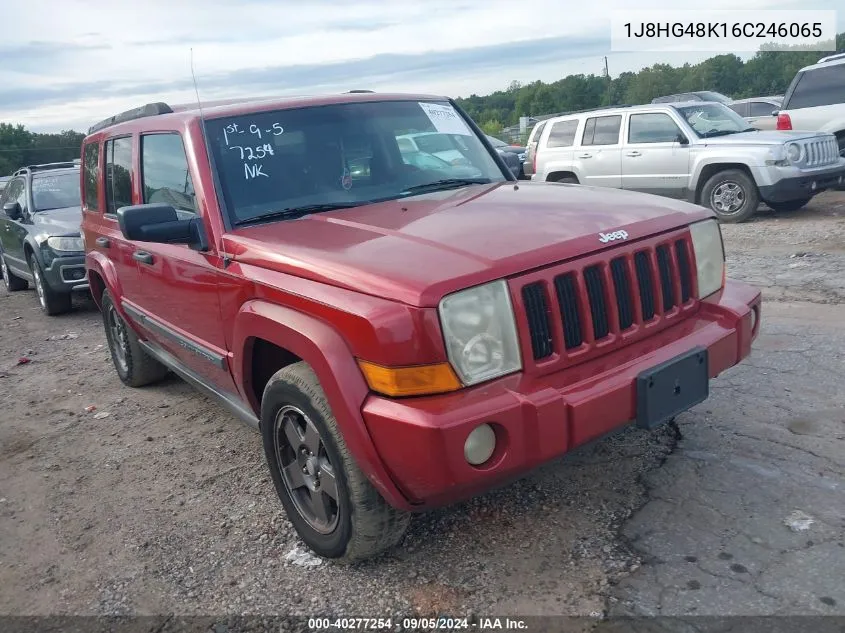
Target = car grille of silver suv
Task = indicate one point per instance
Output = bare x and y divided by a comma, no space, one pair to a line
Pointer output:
584,308
822,152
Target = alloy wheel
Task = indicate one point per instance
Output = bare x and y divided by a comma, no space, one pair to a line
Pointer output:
39,286
119,339
306,470
5,272
728,197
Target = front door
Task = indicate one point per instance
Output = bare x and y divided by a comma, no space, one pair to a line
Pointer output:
178,286
653,158
599,158
13,232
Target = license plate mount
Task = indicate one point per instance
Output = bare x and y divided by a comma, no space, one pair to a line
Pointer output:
672,387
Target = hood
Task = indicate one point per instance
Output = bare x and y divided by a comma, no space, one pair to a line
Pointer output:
418,249
58,221
762,137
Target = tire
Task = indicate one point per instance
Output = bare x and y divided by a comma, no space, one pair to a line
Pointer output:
12,282
134,366
724,189
790,205
357,523
567,180
51,301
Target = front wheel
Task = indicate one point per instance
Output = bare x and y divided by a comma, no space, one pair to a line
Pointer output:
732,195
328,499
52,302
790,205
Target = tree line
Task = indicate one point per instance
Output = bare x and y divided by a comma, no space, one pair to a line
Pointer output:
19,147
766,73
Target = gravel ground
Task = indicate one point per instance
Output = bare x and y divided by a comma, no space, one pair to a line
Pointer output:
157,501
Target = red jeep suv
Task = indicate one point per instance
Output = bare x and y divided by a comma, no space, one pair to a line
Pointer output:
402,336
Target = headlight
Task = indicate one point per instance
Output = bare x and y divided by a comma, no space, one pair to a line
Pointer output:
709,256
480,332
793,152
66,244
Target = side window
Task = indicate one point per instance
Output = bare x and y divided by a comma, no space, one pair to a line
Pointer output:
538,132
740,108
165,175
16,192
118,173
761,108
819,87
652,128
91,169
603,130
562,134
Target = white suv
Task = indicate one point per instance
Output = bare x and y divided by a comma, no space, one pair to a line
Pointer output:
815,100
701,151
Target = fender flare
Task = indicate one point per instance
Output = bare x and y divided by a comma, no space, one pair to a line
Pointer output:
104,267
325,350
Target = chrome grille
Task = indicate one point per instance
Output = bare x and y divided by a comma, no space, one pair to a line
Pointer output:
819,152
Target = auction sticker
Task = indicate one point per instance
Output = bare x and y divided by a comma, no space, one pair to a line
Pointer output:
445,119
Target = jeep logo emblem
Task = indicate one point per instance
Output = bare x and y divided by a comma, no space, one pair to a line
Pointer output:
604,238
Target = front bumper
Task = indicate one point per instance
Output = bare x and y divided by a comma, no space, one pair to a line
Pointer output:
421,440
804,186
67,274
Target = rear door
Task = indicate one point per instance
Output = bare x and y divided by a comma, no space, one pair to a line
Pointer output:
653,158
178,291
817,98
599,157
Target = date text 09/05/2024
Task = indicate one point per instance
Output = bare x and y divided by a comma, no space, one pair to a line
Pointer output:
417,624
723,29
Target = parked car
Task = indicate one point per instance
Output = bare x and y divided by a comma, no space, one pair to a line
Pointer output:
528,168
424,161
815,100
39,234
444,146
758,111
513,155
401,340
700,95
700,151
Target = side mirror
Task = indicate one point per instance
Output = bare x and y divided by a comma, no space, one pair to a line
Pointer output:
160,223
13,210
682,139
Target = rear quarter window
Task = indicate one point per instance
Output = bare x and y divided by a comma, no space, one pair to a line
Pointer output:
818,87
90,175
562,134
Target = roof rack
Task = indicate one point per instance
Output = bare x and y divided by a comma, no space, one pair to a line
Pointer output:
150,109
358,91
46,166
610,107
831,58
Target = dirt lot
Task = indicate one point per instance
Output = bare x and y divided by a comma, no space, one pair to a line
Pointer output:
157,501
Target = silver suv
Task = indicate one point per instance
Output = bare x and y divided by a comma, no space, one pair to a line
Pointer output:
815,100
701,151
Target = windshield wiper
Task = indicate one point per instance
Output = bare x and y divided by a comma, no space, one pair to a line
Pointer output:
443,185
291,213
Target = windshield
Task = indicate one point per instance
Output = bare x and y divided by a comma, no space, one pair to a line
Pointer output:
322,157
710,119
55,191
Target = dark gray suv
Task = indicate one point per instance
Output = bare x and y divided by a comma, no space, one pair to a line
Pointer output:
39,234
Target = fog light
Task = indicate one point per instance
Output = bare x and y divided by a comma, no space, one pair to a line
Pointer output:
480,444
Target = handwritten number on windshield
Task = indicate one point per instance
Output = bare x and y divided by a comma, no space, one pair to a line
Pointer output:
252,152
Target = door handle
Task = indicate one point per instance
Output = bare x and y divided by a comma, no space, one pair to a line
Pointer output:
142,256
103,241
585,155
633,154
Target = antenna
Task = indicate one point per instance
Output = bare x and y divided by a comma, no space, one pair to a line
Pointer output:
196,87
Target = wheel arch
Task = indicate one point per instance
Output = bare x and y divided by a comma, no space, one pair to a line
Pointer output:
263,327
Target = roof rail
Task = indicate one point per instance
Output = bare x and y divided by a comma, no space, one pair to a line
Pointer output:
597,109
358,91
45,166
150,109
831,58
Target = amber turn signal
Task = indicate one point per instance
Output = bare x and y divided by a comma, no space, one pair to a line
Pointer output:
416,380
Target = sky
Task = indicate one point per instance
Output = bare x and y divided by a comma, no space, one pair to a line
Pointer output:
66,64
